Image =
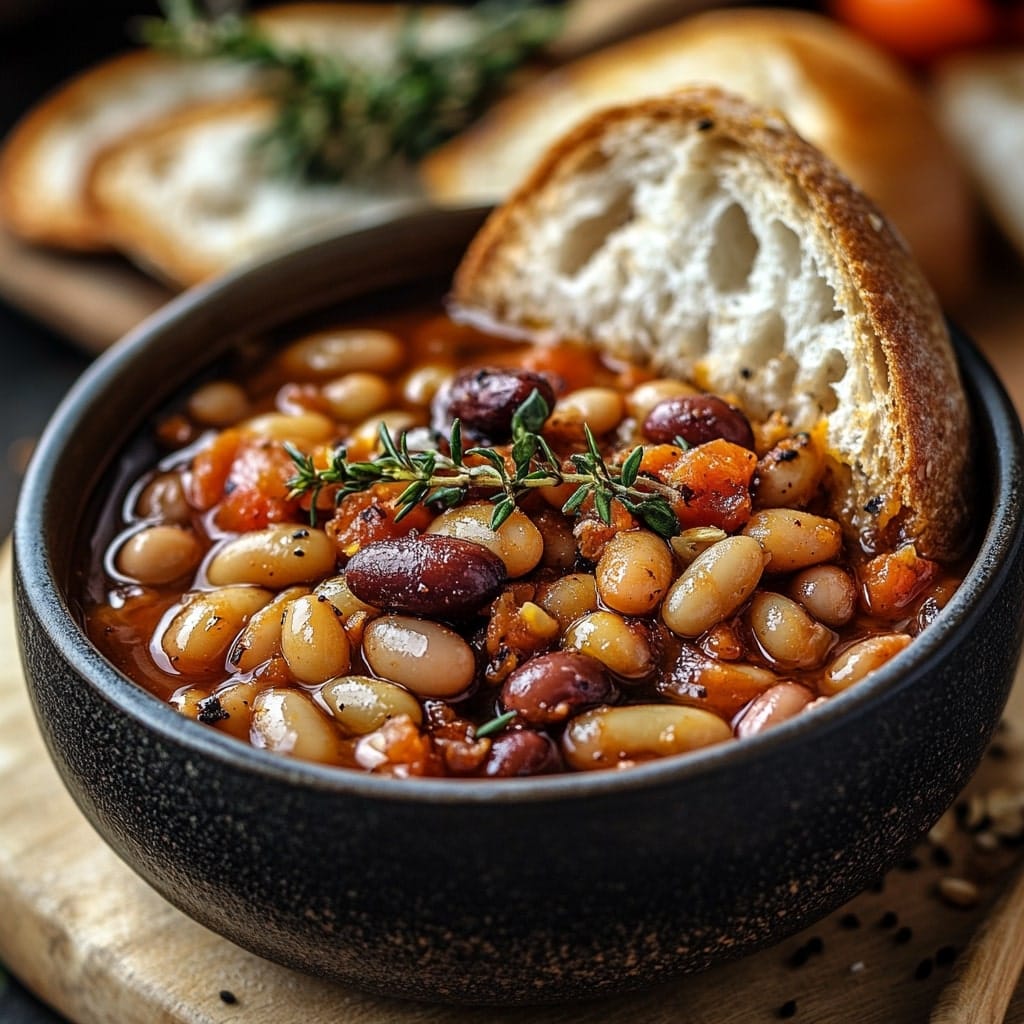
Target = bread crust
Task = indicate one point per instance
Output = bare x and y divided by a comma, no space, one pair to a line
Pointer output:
924,496
841,93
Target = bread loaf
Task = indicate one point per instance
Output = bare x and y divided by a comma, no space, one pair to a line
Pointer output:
700,234
841,93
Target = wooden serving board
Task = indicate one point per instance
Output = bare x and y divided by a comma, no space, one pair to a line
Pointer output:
91,939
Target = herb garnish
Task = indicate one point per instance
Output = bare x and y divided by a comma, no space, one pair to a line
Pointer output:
494,725
443,481
337,119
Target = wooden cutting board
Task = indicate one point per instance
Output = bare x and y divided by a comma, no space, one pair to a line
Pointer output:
91,939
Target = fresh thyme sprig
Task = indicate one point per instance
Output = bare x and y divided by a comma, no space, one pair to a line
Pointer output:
443,481
340,119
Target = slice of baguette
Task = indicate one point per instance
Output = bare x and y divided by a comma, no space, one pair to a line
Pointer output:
841,93
46,158
700,234
980,101
189,197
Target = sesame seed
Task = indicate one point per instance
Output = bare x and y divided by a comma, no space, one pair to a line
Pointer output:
958,892
923,969
889,919
787,1010
228,997
945,956
856,967
903,936
941,857
849,922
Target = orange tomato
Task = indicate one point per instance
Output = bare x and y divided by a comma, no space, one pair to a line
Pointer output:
920,30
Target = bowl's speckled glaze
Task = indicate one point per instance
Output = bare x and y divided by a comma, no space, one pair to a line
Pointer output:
510,891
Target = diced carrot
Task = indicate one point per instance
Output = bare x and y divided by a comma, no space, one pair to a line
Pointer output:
370,515
891,581
714,483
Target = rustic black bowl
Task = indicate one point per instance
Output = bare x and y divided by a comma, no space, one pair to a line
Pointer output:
478,891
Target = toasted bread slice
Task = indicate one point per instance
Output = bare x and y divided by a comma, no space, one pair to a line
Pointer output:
980,101
190,197
700,234
845,96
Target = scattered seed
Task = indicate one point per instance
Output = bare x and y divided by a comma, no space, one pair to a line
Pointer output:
787,1010
815,945
959,892
986,842
798,957
903,936
889,919
941,857
856,967
923,969
849,922
226,996
945,956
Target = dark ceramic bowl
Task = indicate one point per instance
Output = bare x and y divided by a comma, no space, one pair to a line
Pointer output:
515,890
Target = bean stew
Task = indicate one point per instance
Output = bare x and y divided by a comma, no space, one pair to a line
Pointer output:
410,547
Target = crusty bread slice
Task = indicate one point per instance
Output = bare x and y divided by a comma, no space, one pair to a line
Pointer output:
701,234
841,93
980,102
45,159
190,197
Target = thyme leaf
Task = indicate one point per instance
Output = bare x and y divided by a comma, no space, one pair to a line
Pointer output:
444,481
341,119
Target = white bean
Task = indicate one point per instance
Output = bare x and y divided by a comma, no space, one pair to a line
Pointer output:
786,633
788,474
164,498
420,385
601,409
365,438
198,636
355,396
634,572
827,592
288,722
713,586
613,641
334,352
423,656
860,660
607,737
569,597
218,403
313,640
277,556
777,704
159,554
303,429
517,542
336,590
236,702
261,638
361,704
794,539
644,397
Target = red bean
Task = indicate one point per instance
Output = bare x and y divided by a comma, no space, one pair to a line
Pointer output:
523,752
553,687
432,574
697,419
485,401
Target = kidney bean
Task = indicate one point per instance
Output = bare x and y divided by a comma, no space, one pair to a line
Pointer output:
432,574
697,419
523,752
552,687
485,400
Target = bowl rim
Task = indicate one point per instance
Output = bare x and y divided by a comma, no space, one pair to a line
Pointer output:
43,594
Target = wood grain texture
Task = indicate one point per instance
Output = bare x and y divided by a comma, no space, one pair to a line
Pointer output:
97,944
